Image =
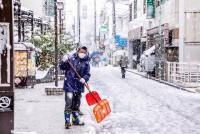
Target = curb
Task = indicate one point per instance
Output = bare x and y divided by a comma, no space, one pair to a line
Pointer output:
162,81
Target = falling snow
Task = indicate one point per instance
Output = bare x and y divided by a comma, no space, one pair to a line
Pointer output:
139,106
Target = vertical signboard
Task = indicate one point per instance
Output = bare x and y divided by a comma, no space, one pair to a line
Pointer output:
150,9
6,67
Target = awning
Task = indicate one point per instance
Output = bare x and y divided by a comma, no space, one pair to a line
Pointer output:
150,50
135,33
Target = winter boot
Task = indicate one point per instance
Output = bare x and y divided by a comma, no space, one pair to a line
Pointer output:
67,120
75,119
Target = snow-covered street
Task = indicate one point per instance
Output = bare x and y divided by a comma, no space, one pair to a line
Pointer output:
139,106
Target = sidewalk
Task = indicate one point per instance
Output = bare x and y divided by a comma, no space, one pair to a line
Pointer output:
143,74
37,113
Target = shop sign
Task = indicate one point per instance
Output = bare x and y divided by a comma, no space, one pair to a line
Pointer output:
150,9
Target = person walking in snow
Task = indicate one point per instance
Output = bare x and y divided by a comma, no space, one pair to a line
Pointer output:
123,65
73,86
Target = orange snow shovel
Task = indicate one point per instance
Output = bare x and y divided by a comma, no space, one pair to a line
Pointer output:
92,97
102,109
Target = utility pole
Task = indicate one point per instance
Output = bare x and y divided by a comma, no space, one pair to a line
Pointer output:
6,67
56,43
32,24
114,19
114,26
60,17
23,30
95,22
19,21
79,22
160,42
181,30
161,47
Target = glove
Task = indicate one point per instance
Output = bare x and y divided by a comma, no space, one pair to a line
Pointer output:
82,80
65,58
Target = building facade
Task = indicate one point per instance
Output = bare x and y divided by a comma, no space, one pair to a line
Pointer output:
106,27
172,28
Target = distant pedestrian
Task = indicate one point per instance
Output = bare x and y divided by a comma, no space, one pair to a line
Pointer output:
123,65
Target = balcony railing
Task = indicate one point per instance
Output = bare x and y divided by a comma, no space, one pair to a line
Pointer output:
184,74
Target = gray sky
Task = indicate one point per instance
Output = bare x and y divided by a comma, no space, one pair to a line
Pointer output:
71,9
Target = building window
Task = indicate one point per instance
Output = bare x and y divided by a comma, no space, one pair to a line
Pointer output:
135,9
130,12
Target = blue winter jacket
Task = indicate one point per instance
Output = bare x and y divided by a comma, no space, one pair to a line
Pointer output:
72,82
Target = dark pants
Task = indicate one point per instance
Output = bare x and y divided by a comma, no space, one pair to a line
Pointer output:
72,101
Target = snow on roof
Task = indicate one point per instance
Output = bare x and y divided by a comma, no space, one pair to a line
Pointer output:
19,46
29,45
25,46
37,16
25,9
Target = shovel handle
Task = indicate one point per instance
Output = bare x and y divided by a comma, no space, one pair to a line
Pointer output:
86,84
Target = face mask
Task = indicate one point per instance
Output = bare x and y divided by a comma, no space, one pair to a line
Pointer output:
81,55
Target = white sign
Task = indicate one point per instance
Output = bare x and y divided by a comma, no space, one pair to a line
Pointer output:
5,102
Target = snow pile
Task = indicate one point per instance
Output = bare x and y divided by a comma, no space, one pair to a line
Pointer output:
40,74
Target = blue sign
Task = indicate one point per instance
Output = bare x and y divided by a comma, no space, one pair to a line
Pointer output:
120,42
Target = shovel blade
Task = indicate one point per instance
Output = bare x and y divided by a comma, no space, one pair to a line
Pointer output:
101,110
90,98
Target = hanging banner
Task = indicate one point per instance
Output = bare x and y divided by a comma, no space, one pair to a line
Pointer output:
150,9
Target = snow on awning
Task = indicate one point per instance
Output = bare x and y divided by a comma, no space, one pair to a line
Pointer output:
150,50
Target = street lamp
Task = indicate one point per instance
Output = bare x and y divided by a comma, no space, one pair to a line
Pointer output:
160,46
79,23
56,43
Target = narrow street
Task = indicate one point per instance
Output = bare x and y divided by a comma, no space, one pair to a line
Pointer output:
139,106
